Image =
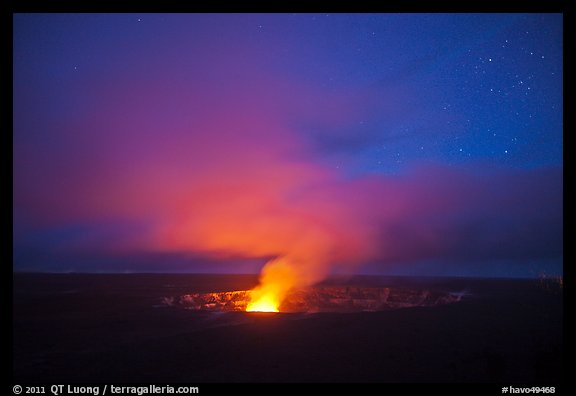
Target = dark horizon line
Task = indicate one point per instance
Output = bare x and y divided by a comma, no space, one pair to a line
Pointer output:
24,272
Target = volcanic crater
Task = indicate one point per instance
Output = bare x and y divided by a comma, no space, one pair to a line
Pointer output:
320,299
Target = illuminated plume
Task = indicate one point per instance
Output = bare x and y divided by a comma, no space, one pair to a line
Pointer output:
276,280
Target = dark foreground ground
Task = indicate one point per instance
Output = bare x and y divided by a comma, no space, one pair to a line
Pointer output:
113,328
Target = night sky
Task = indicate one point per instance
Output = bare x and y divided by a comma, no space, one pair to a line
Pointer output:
412,144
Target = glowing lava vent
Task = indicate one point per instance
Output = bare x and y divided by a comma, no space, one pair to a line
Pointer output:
263,304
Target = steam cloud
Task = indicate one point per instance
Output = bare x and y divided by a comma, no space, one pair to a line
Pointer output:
218,163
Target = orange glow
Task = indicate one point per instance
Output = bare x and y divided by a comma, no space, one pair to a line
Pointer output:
276,279
263,304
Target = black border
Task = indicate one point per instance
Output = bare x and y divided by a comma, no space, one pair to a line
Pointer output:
462,6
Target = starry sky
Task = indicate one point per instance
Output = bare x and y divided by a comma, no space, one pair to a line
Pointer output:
401,144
